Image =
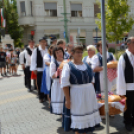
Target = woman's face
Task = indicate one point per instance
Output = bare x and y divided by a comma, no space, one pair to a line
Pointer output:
59,54
91,53
100,49
77,55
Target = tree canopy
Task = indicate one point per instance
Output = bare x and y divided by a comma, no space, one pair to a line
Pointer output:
12,26
118,19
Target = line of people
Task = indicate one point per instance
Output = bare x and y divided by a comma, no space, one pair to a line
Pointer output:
72,92
9,61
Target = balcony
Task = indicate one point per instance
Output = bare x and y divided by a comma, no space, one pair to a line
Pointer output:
26,20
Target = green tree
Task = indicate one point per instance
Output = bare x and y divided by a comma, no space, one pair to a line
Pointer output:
118,20
12,26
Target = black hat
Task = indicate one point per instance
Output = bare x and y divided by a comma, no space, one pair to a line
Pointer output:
52,37
43,38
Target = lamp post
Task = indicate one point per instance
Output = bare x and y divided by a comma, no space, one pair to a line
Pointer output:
96,29
104,63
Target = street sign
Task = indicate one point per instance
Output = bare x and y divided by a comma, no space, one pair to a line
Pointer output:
64,34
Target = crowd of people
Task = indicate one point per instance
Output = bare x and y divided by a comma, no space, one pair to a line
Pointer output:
9,61
70,82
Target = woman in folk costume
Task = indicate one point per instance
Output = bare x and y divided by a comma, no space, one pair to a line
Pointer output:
46,79
99,67
77,82
91,60
57,95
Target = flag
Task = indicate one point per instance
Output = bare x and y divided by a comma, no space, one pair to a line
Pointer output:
3,21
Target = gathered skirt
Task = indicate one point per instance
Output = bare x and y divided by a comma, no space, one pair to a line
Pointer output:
57,98
84,113
46,81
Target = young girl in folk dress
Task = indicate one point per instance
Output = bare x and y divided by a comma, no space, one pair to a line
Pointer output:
57,95
77,82
46,79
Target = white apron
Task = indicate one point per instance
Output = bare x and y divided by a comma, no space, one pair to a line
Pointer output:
84,106
57,97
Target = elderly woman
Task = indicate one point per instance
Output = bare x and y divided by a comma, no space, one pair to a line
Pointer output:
57,95
91,59
99,67
76,81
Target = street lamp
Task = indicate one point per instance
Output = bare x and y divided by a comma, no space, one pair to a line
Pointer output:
96,29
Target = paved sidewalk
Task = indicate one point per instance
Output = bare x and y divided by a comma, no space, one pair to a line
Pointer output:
21,112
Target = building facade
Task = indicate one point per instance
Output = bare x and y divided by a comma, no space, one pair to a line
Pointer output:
45,17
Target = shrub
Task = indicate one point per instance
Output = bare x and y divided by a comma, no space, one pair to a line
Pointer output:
112,50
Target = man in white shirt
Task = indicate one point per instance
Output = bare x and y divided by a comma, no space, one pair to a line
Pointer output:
38,64
28,53
125,82
22,61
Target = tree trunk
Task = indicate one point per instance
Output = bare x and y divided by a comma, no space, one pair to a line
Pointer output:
116,54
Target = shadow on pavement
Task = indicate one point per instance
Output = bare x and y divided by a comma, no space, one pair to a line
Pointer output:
60,130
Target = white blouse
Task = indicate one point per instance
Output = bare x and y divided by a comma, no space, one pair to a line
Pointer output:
66,74
92,61
53,68
34,61
122,86
96,61
47,58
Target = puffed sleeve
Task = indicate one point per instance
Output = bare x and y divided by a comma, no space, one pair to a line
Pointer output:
52,69
46,58
65,76
121,84
95,62
33,66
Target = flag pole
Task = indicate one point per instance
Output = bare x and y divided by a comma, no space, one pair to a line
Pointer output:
104,63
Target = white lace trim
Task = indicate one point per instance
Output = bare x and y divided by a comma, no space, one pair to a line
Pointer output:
81,122
57,108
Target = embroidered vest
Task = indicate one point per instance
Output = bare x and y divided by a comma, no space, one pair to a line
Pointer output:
79,76
39,59
111,58
129,70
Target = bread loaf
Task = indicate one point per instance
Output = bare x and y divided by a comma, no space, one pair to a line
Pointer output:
114,98
112,64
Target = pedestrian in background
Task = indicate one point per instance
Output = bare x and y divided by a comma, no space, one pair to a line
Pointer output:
22,61
13,62
28,53
2,62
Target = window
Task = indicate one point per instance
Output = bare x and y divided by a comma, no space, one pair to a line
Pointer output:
51,9
76,10
96,10
22,8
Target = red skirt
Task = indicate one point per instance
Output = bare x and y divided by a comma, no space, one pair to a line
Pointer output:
33,76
